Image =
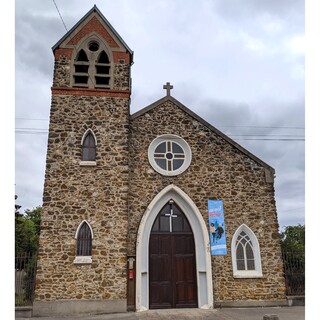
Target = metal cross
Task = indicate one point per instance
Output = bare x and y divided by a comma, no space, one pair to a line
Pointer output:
170,215
168,87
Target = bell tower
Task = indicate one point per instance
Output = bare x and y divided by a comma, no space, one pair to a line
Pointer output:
82,257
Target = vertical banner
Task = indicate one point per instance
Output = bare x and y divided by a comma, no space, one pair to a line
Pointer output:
217,228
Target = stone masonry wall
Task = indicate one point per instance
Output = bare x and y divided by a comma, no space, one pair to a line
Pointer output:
73,193
218,171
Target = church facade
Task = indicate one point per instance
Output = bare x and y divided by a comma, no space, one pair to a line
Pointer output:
125,220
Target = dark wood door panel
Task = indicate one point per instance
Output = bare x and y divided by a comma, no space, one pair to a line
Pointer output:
172,263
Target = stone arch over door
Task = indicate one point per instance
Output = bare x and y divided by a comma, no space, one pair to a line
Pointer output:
202,246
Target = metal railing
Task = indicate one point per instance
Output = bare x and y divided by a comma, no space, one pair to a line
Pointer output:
294,271
25,276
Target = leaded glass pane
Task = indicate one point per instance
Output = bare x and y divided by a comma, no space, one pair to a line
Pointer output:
89,148
177,223
240,265
244,253
177,164
162,163
164,224
85,153
176,148
250,264
84,241
240,252
249,252
161,148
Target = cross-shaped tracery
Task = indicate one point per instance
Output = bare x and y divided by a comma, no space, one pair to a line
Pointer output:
169,155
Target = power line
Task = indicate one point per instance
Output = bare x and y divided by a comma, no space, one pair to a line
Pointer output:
266,135
258,127
32,119
31,129
292,209
30,132
74,47
44,131
60,15
266,127
262,139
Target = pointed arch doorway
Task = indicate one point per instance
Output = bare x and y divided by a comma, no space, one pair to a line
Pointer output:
172,263
201,243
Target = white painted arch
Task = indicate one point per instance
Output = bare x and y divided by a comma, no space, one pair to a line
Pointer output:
202,244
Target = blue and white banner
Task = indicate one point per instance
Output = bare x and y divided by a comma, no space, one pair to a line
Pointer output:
217,228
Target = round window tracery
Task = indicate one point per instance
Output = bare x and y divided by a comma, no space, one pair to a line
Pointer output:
169,155
93,46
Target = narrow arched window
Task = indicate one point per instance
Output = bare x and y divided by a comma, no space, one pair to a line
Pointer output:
89,147
244,252
81,69
83,237
102,76
84,240
246,261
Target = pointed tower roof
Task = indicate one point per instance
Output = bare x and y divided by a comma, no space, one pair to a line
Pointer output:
111,31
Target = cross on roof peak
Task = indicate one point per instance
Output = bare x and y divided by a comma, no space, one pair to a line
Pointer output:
168,87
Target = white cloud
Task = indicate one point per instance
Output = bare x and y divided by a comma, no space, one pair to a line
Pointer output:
296,45
252,43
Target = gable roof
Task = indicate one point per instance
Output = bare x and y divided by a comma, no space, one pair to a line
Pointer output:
205,123
95,9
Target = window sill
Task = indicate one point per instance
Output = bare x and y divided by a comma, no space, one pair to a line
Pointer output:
88,163
247,274
82,260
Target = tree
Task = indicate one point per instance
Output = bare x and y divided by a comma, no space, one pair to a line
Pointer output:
27,230
293,245
293,238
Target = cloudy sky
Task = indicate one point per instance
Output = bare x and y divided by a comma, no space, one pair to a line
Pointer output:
239,64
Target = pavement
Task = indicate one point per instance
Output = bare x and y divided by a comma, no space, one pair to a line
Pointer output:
283,313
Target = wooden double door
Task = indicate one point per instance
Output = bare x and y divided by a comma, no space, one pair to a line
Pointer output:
172,265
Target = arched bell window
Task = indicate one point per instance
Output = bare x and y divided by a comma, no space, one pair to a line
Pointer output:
92,65
81,69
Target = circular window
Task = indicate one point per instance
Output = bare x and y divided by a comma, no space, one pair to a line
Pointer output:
169,155
93,46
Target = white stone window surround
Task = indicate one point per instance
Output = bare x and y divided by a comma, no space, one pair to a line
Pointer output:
257,273
83,259
186,155
88,163
92,63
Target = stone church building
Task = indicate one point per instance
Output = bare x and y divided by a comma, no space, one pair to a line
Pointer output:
125,220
